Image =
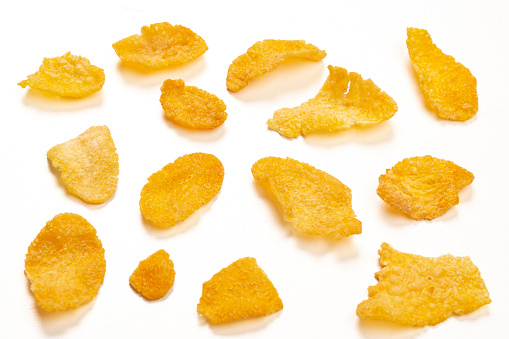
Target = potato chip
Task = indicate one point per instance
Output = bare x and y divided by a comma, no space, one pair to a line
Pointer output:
154,276
161,45
264,56
345,100
66,76
449,88
315,202
88,164
65,263
419,291
180,188
423,187
241,290
191,106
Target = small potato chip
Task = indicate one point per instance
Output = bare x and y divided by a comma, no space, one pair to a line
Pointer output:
154,276
264,56
65,263
67,76
88,164
241,290
180,188
345,100
315,202
420,291
449,88
423,187
190,106
161,45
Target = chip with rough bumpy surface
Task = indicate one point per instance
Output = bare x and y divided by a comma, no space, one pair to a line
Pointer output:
154,276
315,202
420,291
241,290
65,263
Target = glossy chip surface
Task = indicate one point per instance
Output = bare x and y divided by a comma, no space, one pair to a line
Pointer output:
154,276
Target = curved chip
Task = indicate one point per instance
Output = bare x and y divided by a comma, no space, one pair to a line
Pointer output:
180,188
154,276
345,100
65,263
68,76
264,56
315,202
449,88
241,290
423,187
420,291
88,164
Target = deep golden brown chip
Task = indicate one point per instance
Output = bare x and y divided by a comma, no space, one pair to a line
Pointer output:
241,290
161,45
315,202
449,88
419,291
264,56
67,76
154,276
180,188
65,263
423,187
345,100
88,164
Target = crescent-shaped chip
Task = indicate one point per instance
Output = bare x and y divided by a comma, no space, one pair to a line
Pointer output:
154,276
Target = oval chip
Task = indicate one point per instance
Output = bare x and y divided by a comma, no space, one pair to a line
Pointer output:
154,276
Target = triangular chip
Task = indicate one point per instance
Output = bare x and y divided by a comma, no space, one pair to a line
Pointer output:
154,276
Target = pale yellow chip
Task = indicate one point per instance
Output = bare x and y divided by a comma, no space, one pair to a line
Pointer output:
241,290
315,202
88,164
65,263
66,76
180,188
264,56
423,187
345,100
154,276
419,291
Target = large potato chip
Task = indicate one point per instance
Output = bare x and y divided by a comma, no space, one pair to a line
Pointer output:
345,100
449,88
154,276
65,263
419,291
180,188
264,56
161,45
423,187
67,76
241,290
315,202
88,164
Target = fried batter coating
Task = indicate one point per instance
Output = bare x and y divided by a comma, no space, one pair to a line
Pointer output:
315,202
241,290
420,291
154,276
65,263
423,187
345,100
449,88
264,56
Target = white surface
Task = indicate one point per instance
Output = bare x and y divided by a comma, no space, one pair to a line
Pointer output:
320,282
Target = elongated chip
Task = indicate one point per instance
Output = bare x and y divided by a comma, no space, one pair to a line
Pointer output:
154,276
315,202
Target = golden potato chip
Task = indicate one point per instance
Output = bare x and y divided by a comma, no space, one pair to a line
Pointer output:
65,263
423,187
241,290
180,188
88,164
67,76
345,100
264,56
419,291
190,106
154,276
449,88
315,202
161,45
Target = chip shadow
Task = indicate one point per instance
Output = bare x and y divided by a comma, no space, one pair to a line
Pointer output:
43,101
240,326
